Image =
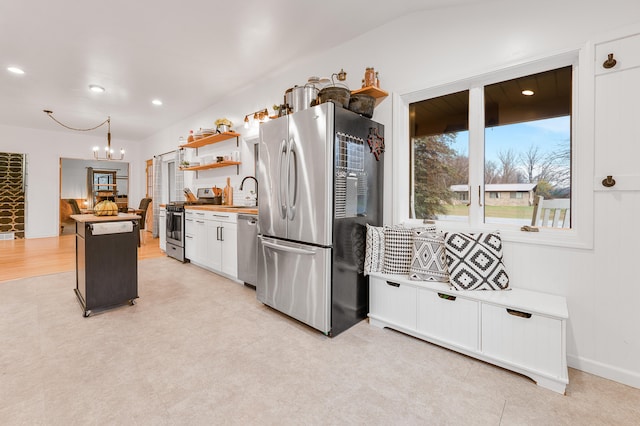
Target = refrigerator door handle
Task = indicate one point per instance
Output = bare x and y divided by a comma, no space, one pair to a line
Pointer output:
287,248
282,189
293,170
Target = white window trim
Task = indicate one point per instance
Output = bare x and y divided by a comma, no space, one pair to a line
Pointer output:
581,233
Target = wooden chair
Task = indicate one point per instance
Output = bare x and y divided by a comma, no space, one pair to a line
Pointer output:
67,208
74,206
142,211
552,213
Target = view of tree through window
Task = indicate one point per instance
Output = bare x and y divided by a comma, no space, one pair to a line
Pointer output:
439,135
527,150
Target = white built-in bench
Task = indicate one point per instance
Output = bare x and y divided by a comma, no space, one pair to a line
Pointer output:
520,330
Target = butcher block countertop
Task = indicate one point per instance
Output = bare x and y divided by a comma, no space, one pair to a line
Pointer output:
226,209
84,218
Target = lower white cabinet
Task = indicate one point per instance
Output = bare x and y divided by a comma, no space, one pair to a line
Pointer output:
521,330
531,341
223,237
162,228
394,300
449,318
211,240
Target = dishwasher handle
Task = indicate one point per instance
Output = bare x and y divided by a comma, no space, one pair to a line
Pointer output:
248,219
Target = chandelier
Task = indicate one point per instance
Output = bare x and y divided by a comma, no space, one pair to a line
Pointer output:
108,151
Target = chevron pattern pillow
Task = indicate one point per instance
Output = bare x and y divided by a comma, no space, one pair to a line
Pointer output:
429,261
475,262
374,249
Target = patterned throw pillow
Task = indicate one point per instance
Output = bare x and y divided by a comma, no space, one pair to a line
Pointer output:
398,248
429,261
374,250
474,261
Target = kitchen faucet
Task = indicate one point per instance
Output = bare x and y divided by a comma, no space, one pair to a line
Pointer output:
250,177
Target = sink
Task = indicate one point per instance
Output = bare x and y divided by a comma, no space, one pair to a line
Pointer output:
239,207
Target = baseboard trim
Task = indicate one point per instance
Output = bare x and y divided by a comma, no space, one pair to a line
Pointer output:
607,371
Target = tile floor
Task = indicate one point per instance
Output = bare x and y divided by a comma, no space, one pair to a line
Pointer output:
198,349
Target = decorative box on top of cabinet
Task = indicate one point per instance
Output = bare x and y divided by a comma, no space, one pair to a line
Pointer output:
520,330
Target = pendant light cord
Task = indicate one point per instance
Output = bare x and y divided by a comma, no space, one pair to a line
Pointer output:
107,121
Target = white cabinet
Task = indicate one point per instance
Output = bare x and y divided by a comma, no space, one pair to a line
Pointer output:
211,240
449,318
392,301
225,245
522,338
520,330
195,237
162,228
189,236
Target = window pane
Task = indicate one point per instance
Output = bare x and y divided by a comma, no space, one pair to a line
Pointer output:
527,144
439,129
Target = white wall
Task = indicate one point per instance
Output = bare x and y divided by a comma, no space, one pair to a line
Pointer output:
440,47
44,150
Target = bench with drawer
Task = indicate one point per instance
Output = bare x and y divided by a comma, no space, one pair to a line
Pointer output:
520,330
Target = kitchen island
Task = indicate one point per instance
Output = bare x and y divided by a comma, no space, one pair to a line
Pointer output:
106,260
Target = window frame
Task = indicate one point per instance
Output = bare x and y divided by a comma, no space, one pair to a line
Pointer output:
581,233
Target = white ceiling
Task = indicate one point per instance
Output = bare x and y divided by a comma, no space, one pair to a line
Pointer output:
187,53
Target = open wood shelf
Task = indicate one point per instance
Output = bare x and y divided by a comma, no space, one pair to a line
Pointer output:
219,137
376,92
213,166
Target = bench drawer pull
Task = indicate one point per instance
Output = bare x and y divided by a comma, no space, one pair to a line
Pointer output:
518,313
446,297
393,284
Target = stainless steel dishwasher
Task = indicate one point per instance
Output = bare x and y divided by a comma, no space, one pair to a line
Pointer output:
248,248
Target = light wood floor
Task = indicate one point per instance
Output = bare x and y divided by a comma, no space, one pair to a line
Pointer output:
41,256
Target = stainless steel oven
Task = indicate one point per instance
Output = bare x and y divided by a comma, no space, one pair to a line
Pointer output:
175,231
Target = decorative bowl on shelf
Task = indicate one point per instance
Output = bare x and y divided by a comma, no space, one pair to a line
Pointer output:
223,128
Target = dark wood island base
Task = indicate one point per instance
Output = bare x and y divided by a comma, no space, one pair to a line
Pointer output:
106,261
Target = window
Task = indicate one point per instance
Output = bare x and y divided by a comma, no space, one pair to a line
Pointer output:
439,135
522,151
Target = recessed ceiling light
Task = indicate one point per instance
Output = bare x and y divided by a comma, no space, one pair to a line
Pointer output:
15,70
157,102
96,88
528,92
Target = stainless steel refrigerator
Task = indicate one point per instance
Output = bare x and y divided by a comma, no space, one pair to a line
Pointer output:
320,172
